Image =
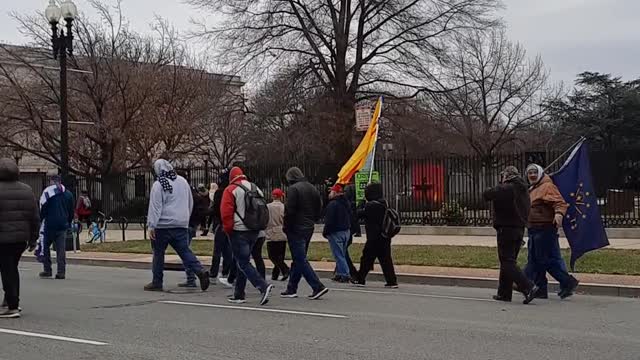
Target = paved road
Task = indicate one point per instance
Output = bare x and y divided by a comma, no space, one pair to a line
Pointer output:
107,305
489,241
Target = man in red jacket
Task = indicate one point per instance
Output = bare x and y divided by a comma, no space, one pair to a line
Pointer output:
242,238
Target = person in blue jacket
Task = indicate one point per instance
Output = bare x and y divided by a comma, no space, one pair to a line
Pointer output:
337,229
57,212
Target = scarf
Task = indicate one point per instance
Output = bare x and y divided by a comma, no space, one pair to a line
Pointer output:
42,242
164,178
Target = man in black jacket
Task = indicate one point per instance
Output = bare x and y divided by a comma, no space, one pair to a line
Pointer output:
221,246
376,246
302,209
511,209
19,229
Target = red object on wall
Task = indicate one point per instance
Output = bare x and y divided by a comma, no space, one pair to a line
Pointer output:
428,183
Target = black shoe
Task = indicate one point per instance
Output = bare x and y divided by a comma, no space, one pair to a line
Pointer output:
234,300
45,275
530,295
288,295
357,283
391,286
204,280
10,314
501,298
318,294
188,284
152,287
60,276
540,294
285,277
565,293
266,294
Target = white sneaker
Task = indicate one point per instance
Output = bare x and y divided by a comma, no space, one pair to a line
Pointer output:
225,283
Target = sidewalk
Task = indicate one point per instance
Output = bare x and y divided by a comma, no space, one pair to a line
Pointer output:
488,241
596,284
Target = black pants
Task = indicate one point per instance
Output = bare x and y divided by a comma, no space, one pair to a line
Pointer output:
352,269
256,255
221,252
509,243
276,251
377,248
10,255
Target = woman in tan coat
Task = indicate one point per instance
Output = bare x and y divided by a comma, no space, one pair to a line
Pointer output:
276,239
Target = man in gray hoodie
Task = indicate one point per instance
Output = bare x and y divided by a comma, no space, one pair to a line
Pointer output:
170,206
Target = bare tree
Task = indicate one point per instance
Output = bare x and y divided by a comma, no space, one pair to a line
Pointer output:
353,48
497,92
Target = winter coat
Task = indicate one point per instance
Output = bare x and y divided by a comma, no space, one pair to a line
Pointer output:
276,220
304,204
200,209
337,216
510,203
169,209
373,212
232,209
19,216
546,202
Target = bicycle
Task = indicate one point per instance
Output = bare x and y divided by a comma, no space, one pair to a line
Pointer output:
98,229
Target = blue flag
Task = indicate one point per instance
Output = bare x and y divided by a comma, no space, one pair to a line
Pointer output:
582,224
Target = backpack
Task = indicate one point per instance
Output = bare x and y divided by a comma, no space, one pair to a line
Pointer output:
256,212
390,223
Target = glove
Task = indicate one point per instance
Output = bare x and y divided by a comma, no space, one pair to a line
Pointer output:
557,220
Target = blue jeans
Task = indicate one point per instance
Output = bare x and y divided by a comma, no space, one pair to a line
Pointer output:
300,267
178,238
58,239
191,277
545,256
338,242
242,242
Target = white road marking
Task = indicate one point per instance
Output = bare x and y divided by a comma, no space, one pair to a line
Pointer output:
413,294
280,311
53,337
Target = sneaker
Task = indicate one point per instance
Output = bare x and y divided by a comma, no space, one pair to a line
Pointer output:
213,280
318,294
60,276
225,283
45,275
570,290
204,280
391,286
152,287
530,295
235,300
4,305
188,284
266,294
288,295
285,277
357,283
501,298
10,314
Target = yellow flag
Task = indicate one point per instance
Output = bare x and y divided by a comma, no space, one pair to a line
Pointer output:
368,143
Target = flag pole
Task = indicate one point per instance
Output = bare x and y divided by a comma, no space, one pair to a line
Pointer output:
582,139
375,144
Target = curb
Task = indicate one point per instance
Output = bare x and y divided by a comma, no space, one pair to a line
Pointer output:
415,279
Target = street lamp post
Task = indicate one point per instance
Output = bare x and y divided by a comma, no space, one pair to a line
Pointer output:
62,45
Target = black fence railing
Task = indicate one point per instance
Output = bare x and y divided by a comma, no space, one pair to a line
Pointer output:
427,191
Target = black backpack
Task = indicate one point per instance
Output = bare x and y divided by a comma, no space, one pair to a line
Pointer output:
390,223
256,212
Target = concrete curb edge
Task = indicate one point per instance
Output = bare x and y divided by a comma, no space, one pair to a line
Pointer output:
415,279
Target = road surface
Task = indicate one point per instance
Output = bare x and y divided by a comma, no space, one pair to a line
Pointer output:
102,313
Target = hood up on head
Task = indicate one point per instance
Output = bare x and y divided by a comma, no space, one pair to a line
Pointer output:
373,192
294,175
540,172
509,173
236,174
9,170
162,165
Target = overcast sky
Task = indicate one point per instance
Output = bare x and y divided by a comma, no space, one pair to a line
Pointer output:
571,35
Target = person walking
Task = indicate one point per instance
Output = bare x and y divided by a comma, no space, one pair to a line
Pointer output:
221,246
213,187
170,206
510,212
19,229
350,194
199,212
337,227
302,210
376,246
201,204
238,205
545,217
57,213
276,239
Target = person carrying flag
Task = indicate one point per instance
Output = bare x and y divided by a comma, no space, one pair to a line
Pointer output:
548,209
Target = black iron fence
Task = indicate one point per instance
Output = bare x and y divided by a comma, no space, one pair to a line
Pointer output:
428,191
